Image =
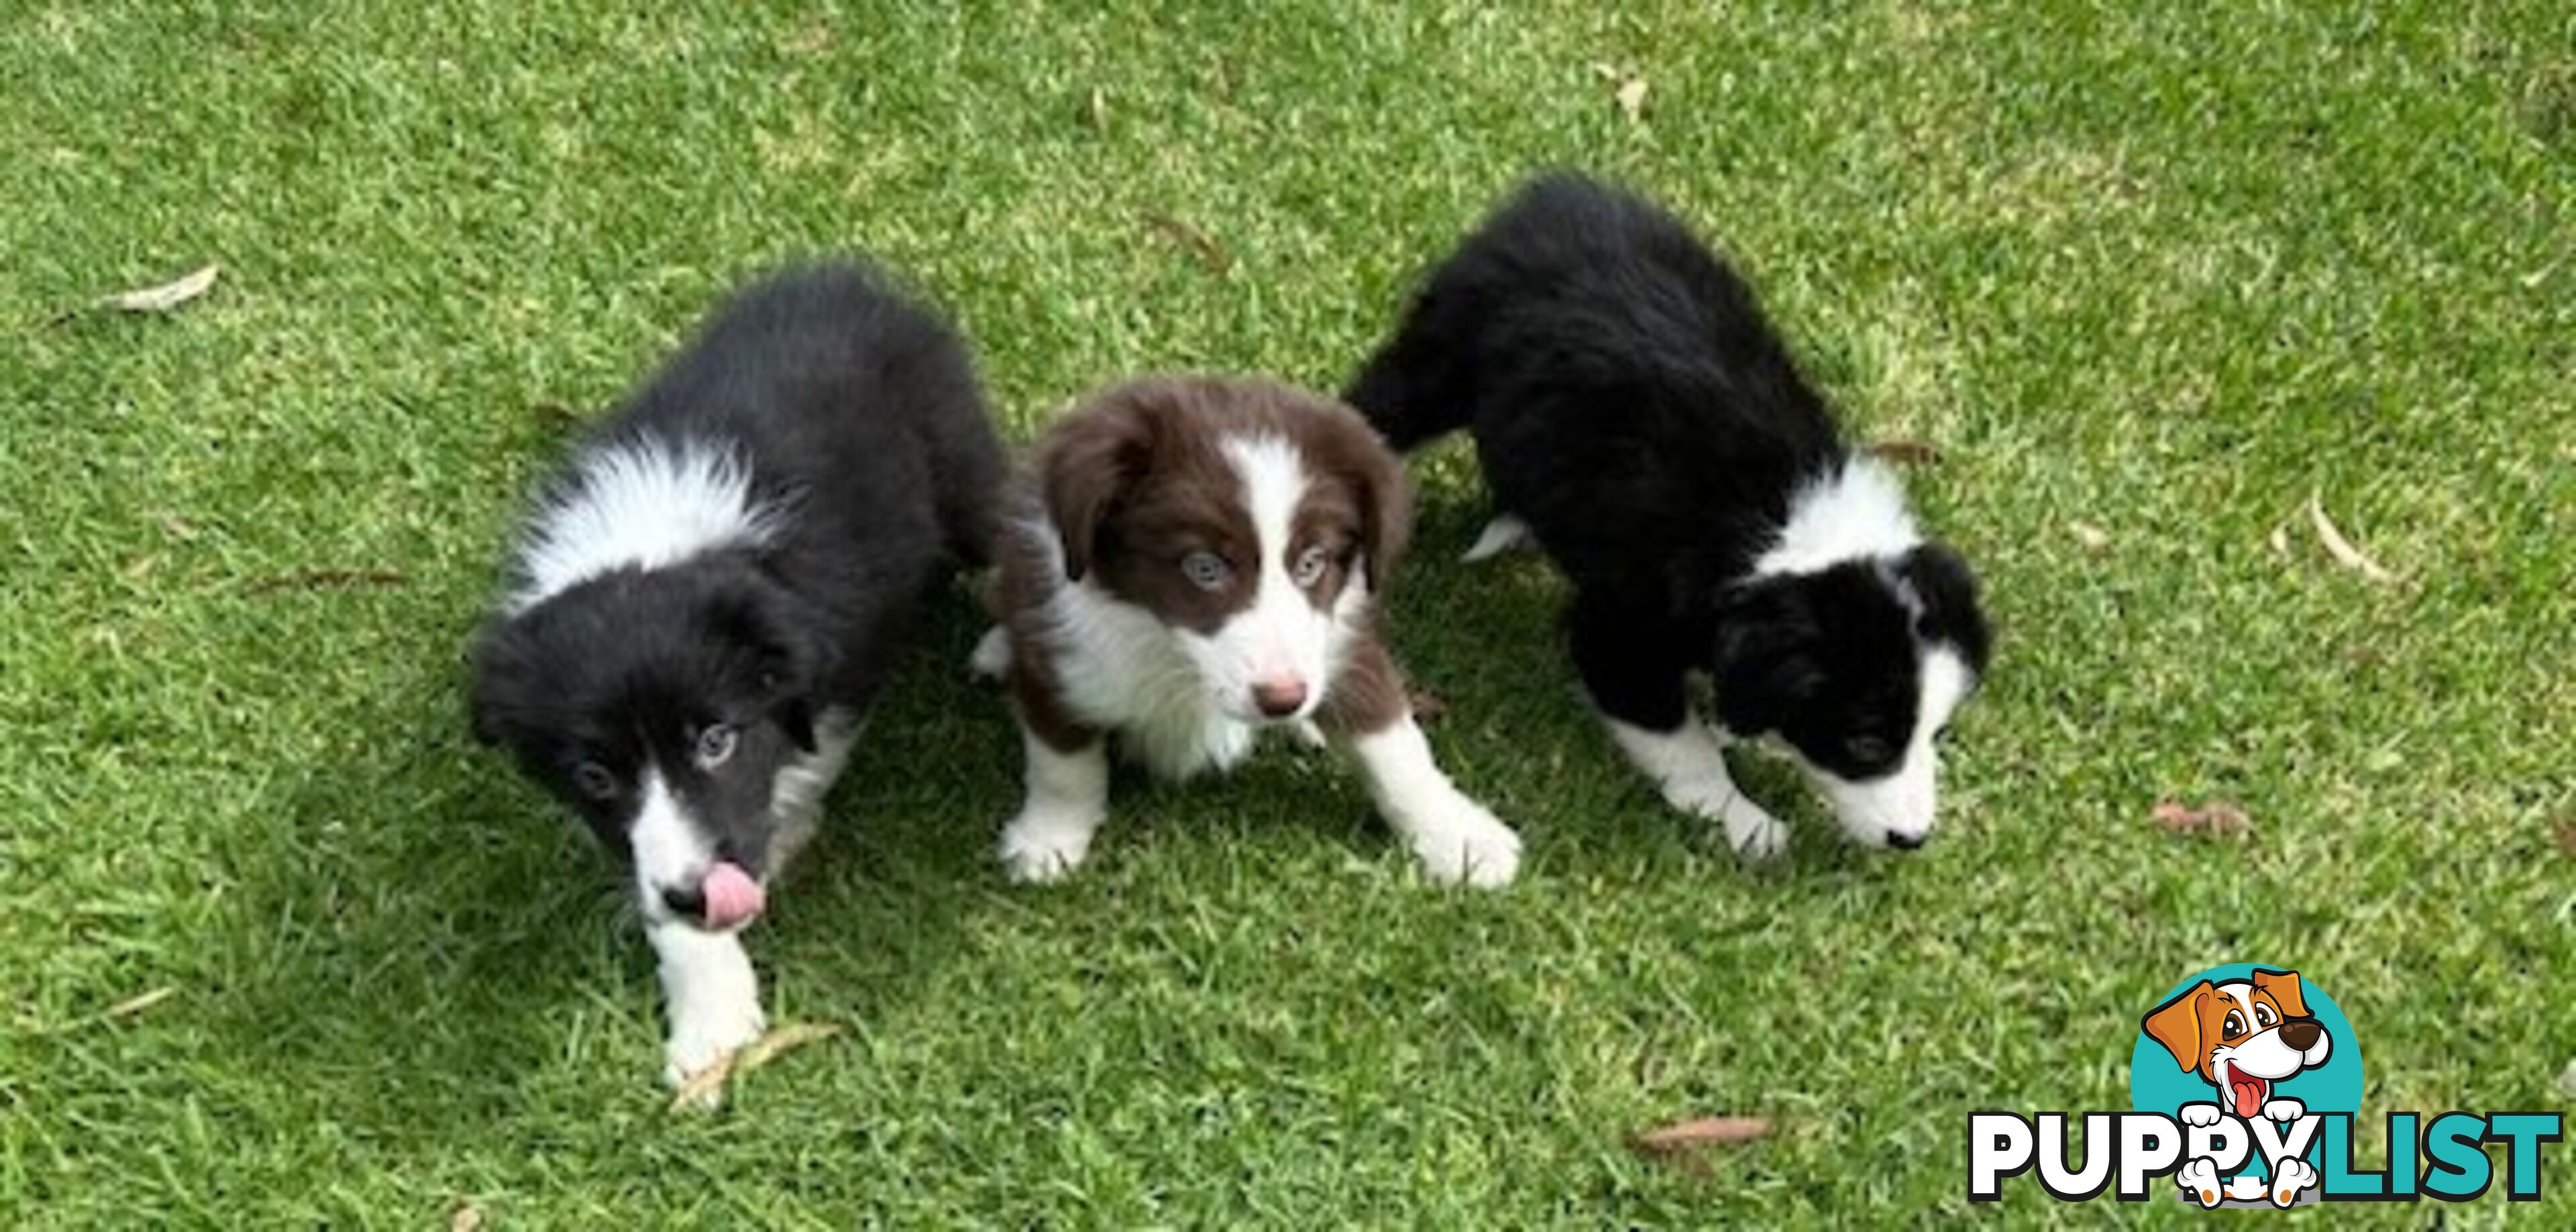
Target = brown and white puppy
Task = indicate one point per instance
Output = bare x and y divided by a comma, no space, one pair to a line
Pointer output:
1195,559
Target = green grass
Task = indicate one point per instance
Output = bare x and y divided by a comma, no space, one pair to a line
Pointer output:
2161,269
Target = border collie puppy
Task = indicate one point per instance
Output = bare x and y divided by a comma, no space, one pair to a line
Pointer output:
1638,417
1194,560
711,591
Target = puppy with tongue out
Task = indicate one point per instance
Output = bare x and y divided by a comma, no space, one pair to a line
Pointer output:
711,593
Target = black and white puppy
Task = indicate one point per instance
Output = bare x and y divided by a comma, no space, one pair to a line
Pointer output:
711,591
1639,418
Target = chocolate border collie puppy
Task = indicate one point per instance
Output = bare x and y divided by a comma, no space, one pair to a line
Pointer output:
712,590
1638,417
1195,559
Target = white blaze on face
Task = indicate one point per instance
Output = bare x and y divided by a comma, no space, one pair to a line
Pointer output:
1899,808
1281,640
671,853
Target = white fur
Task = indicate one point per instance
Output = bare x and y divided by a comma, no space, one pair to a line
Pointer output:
1689,765
1281,638
1456,839
642,504
1504,534
1854,513
671,850
1068,798
713,998
796,794
1903,804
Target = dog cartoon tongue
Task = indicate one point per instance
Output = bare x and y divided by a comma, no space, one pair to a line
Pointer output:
732,896
2249,1092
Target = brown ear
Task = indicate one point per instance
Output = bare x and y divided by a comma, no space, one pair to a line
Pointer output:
2286,991
1386,500
1086,465
2176,1025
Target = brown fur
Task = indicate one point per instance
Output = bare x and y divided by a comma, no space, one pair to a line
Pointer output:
2194,1022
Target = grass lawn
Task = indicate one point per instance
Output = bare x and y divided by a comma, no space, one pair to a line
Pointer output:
2149,276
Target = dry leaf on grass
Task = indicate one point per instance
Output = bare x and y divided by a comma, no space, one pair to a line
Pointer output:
465,1217
2215,817
2340,548
1684,1136
2280,542
1905,453
703,1087
1427,706
168,295
140,1002
1631,97
1211,255
2092,538
2567,835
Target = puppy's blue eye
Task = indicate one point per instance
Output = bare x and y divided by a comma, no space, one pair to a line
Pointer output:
1206,570
715,744
1310,565
595,780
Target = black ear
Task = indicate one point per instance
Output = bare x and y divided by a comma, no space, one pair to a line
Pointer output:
1951,611
1765,661
495,698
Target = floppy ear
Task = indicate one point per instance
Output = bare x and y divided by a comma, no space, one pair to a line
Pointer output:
1086,465
2286,991
494,699
1386,509
1948,590
1762,666
2176,1025
776,625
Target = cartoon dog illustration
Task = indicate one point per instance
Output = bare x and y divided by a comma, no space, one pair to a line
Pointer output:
2243,1037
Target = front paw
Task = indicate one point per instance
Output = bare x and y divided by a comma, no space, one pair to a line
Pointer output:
704,1036
2284,1110
1753,832
1466,844
2199,1114
1042,850
2290,1178
2199,1178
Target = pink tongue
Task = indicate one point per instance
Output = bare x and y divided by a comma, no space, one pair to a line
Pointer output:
2249,1095
732,896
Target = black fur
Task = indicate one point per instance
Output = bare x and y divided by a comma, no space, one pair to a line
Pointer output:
1630,402
857,414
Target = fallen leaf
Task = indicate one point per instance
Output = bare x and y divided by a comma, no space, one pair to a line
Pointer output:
703,1087
1427,706
465,1217
555,416
1210,254
2340,548
1099,113
2280,542
1691,1135
1632,98
2567,835
140,1002
2093,538
2215,817
1905,453
168,295
180,528
327,579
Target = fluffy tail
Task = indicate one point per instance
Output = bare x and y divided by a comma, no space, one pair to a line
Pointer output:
1410,391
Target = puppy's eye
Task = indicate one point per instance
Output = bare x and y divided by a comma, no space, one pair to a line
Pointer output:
715,744
1310,565
2234,1026
595,780
2263,1015
1869,750
1206,570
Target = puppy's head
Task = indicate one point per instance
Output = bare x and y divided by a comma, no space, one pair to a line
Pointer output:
1857,667
661,705
2242,1036
1250,519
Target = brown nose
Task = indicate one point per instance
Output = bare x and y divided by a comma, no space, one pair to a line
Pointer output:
2301,1033
1279,696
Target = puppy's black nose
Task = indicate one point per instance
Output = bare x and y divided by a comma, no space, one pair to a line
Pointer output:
687,904
2301,1033
1904,842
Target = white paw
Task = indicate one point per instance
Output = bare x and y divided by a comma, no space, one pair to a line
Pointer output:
705,1033
1753,832
1501,535
2199,1114
2244,1187
992,657
2290,1178
2284,1110
2199,1179
1040,850
1466,844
